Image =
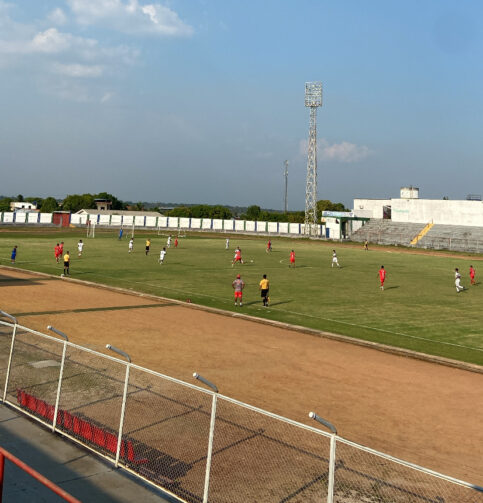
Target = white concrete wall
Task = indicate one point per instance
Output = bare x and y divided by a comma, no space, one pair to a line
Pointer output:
250,226
438,211
127,220
104,219
239,225
229,225
20,217
46,218
139,221
272,227
8,217
206,223
283,227
184,222
370,208
217,224
261,226
32,218
173,222
151,221
196,223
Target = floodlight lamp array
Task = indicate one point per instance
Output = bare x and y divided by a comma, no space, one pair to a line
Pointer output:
313,94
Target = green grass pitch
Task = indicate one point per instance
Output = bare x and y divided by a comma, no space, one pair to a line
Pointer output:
419,308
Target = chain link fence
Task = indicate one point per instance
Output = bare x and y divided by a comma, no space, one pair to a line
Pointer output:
194,443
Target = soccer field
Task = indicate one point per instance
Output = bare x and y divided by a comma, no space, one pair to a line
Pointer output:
419,308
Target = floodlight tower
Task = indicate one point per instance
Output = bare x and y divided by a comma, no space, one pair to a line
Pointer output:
313,99
285,173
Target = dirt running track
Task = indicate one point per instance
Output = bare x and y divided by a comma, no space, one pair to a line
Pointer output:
422,412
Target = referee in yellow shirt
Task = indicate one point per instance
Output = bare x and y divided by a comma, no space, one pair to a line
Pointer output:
264,287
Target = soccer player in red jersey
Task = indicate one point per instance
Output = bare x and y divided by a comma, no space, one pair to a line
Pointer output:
472,275
57,252
292,259
382,276
238,257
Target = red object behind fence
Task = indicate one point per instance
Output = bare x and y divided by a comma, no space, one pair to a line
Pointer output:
36,475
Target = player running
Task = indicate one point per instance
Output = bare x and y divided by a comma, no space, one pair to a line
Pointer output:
162,254
382,276
131,245
334,259
292,259
238,285
237,257
472,275
457,281
80,247
269,246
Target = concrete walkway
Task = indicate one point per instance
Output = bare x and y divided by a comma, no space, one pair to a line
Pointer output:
77,471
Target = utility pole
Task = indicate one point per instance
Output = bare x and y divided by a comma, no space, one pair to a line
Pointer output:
285,207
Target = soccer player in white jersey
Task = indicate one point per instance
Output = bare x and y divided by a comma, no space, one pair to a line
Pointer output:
162,255
80,247
334,259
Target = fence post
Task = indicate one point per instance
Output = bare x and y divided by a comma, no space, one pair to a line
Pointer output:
6,315
211,435
331,477
124,398
61,373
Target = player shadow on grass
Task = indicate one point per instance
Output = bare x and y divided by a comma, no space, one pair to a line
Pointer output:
391,287
259,304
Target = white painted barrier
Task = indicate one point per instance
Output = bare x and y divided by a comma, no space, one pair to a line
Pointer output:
20,217
239,225
116,220
104,219
262,226
196,223
151,221
139,221
217,224
8,217
184,223
250,226
127,220
283,227
173,222
33,217
229,225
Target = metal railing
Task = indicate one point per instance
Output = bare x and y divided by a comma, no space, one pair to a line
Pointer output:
195,443
4,454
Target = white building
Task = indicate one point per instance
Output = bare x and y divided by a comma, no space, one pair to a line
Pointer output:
22,206
410,208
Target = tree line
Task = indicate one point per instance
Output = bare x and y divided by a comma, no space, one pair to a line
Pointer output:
76,202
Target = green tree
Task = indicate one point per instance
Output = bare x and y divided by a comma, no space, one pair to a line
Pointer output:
49,205
326,205
117,204
180,211
253,212
76,202
20,198
5,204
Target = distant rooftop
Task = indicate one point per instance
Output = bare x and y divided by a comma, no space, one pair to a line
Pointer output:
93,211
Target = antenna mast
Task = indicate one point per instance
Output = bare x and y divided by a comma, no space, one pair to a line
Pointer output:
313,100
286,186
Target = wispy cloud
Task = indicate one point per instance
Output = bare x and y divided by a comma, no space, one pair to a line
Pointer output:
131,17
57,17
344,151
78,70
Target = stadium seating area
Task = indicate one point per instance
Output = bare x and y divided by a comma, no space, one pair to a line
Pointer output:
439,237
453,237
387,232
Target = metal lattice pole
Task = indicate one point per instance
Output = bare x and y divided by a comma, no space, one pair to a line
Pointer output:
285,173
313,99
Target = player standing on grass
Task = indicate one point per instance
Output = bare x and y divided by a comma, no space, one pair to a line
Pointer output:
56,252
61,249
176,242
80,247
457,281
13,256
162,254
472,275
264,288
334,259
148,244
227,243
382,276
168,243
238,285
131,245
269,246
366,245
66,264
292,259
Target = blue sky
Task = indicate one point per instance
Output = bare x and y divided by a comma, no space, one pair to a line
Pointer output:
202,101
